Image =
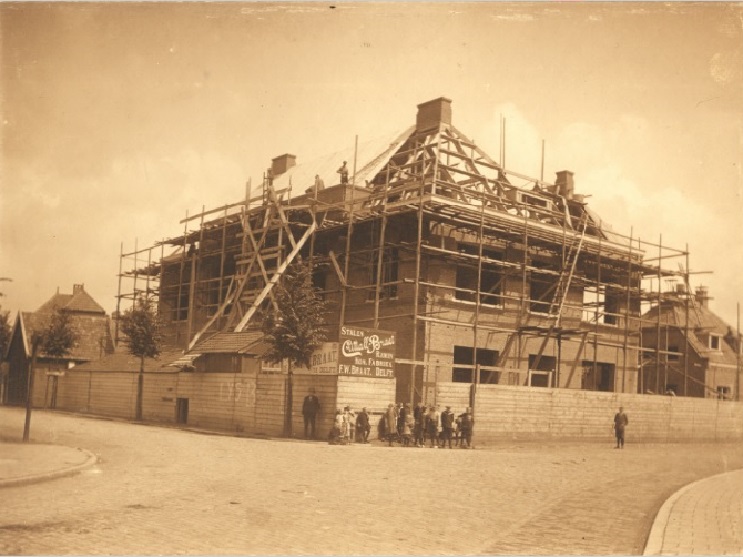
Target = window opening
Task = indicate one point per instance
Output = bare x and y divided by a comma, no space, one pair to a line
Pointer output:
491,277
465,356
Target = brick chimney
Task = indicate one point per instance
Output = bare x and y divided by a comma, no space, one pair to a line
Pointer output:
564,184
433,113
77,288
701,295
282,163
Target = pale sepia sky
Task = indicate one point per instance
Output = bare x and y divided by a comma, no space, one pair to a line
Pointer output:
117,119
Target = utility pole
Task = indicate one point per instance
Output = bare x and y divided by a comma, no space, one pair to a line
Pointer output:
30,394
737,353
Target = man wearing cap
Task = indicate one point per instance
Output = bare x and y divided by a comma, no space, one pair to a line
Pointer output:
465,429
620,422
420,425
447,426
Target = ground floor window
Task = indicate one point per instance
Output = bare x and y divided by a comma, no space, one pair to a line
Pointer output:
465,356
540,372
598,378
724,392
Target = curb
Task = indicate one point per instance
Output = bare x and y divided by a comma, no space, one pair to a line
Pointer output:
61,473
654,544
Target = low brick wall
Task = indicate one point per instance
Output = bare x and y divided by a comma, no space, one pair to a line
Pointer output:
244,402
504,413
238,402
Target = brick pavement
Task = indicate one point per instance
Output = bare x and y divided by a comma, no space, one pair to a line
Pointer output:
703,518
23,463
163,490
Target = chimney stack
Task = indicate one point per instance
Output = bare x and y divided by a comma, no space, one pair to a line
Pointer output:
77,288
701,294
433,113
564,184
282,163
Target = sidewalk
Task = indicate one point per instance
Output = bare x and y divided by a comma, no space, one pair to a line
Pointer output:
26,463
703,518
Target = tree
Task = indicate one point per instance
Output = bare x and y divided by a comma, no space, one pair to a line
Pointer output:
5,330
54,340
142,328
294,329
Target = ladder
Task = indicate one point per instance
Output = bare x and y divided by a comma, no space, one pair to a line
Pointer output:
563,287
563,284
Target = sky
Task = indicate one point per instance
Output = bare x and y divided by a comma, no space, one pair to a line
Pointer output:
118,119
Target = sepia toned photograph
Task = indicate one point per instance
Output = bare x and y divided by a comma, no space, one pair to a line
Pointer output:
371,278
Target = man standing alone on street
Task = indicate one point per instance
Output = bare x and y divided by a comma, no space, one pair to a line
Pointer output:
620,422
310,408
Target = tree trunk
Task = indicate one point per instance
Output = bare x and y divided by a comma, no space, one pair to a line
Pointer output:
30,394
288,426
140,389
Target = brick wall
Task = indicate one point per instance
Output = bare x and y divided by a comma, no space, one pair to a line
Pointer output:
251,403
535,414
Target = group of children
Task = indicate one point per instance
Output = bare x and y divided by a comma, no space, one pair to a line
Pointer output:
350,427
408,427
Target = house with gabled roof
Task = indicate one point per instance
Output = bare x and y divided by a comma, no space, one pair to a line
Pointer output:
448,278
484,275
94,339
689,350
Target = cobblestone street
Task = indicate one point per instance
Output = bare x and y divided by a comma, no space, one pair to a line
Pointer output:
163,490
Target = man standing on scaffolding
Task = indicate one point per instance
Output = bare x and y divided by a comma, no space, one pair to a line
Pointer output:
343,171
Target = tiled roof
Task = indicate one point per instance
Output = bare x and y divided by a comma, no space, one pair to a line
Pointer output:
230,343
78,301
93,333
83,302
57,301
702,321
121,360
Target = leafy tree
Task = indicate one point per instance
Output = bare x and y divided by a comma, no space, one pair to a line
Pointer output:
143,331
294,330
54,340
57,337
5,330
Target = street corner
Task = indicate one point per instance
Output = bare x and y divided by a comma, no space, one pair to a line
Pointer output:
27,463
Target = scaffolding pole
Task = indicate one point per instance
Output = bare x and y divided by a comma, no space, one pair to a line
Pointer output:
416,286
627,310
686,324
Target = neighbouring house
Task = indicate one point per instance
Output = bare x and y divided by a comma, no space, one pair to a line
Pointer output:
94,340
699,357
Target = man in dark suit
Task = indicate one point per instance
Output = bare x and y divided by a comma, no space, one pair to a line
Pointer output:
310,409
620,422
447,426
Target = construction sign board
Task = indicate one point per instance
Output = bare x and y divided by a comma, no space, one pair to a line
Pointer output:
366,352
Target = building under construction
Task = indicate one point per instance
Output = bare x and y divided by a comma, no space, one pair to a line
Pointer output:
485,275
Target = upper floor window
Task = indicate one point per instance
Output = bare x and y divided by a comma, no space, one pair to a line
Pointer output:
714,342
491,276
390,264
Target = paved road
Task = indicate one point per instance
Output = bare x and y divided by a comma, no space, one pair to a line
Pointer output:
703,518
162,490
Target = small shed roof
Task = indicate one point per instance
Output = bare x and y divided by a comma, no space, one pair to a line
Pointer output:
122,360
230,343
